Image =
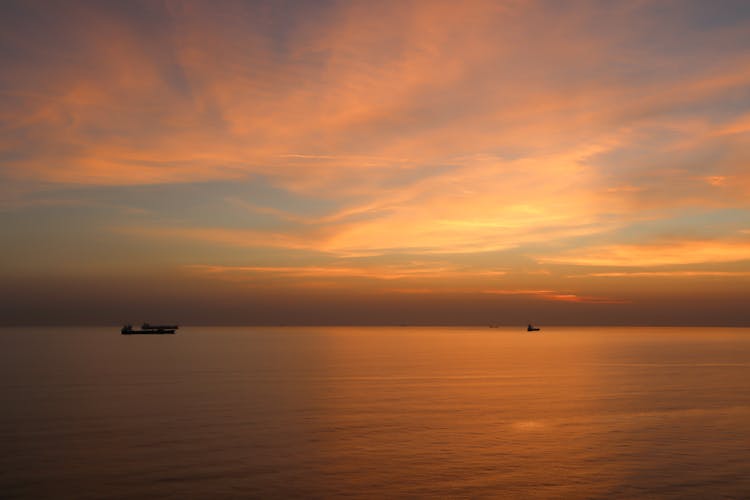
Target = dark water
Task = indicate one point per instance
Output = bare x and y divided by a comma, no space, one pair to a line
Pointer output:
375,412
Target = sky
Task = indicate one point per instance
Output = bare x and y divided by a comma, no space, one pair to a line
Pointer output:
405,162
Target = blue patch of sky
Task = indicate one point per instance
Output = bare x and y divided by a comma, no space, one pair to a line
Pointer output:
660,40
687,224
719,107
202,204
647,159
74,227
284,18
400,178
709,15
43,35
695,222
643,155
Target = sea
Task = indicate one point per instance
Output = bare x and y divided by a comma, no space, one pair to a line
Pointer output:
375,412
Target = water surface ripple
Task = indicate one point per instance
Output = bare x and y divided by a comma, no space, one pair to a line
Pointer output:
375,412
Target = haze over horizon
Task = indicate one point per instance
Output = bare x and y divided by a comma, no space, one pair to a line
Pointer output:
375,163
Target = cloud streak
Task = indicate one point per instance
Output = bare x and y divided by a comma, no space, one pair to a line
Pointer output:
387,273
658,254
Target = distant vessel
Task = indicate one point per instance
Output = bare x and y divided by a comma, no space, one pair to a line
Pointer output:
149,329
532,328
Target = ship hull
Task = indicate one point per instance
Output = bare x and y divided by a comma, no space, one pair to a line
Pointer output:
149,332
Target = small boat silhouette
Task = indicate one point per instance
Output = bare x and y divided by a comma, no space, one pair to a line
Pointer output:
147,329
532,328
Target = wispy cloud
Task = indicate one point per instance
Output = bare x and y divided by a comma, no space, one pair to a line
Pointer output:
434,279
659,254
558,296
668,274
378,272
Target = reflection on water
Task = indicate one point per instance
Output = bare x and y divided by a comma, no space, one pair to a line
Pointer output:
320,412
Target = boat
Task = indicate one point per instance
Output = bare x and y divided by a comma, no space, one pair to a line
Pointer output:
146,326
532,328
147,329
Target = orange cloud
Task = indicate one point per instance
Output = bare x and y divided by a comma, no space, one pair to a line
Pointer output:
669,274
676,253
559,296
442,279
569,297
717,180
388,273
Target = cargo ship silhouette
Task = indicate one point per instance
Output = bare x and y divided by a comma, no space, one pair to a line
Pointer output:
147,329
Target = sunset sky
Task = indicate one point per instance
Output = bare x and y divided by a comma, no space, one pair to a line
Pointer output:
432,162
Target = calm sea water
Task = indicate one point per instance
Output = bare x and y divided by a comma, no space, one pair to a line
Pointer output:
375,412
